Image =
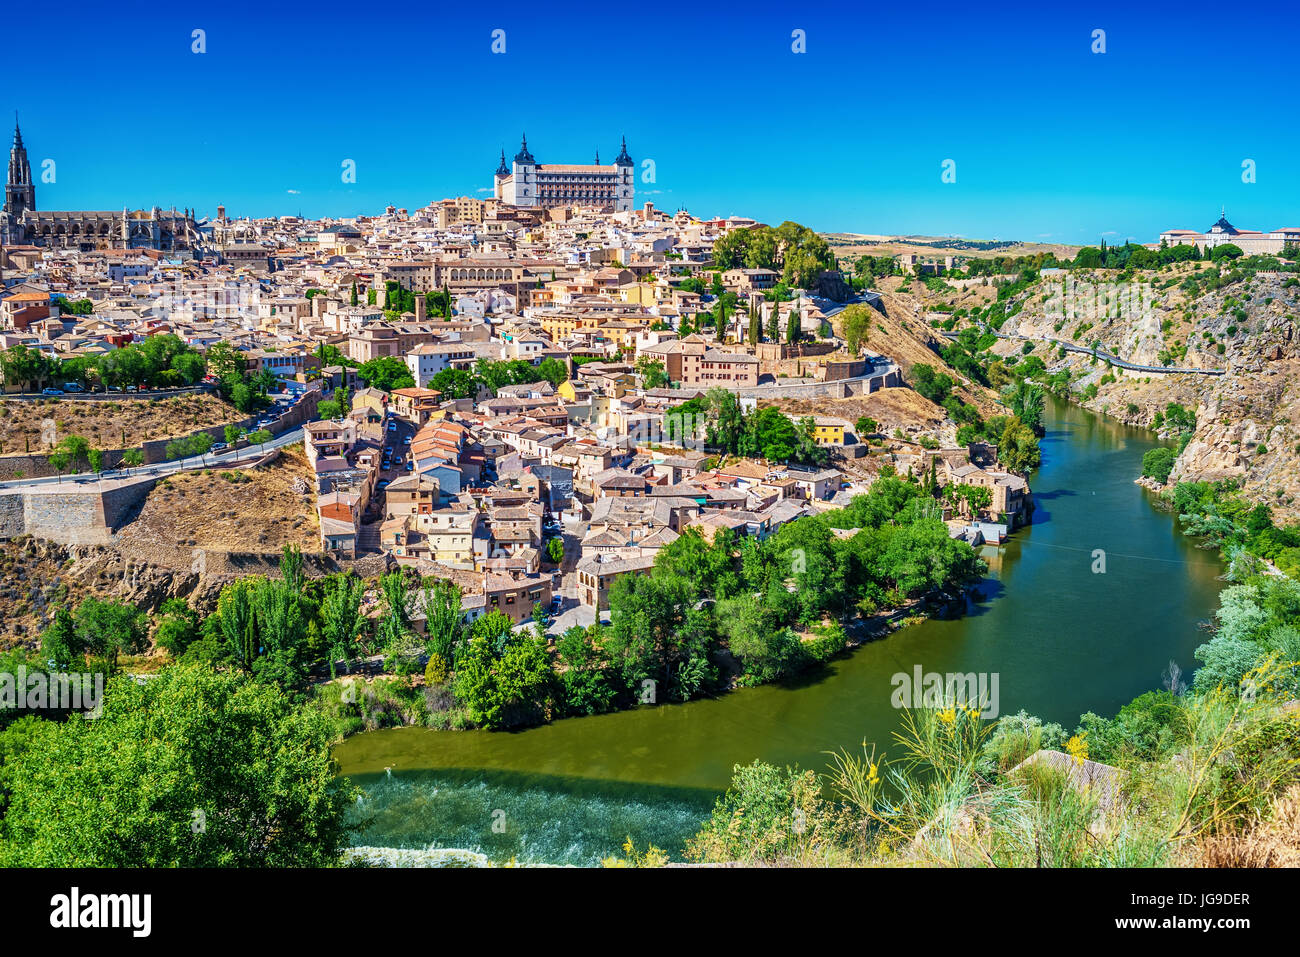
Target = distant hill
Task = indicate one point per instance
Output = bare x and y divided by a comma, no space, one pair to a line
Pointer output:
849,245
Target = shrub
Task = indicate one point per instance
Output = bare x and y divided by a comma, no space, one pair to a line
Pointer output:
435,672
1157,464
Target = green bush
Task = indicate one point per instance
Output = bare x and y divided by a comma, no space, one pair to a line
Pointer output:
1157,464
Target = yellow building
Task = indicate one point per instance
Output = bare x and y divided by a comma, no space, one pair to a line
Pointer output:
829,431
644,294
567,391
559,327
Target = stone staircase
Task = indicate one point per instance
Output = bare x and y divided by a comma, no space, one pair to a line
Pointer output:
368,539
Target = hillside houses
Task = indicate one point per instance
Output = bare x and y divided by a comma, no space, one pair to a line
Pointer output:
433,468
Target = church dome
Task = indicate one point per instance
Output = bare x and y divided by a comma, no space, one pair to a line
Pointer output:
1223,226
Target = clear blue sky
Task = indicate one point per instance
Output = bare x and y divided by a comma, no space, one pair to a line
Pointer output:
1050,140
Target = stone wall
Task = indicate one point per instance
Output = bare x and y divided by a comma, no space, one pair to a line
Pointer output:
844,369
835,389
778,351
75,515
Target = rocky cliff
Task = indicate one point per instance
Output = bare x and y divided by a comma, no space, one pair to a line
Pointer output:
1246,419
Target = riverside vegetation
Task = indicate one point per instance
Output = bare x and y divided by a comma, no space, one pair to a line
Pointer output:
1199,775
250,673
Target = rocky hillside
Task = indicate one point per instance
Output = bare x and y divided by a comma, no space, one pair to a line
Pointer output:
1246,420
38,576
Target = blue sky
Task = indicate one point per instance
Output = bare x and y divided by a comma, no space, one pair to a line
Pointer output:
1051,141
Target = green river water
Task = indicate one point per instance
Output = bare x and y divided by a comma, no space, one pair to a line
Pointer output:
1062,639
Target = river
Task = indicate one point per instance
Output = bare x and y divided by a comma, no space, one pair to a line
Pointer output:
1062,635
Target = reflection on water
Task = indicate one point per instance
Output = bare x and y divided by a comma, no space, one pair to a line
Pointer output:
1063,638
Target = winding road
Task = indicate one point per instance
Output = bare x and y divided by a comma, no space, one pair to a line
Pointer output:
1101,354
164,468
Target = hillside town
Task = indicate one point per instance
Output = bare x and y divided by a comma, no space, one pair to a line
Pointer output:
515,395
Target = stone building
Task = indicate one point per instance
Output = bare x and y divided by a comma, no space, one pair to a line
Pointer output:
86,230
529,183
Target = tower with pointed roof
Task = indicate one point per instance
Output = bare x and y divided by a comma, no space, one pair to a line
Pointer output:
85,229
20,191
529,183
499,178
623,186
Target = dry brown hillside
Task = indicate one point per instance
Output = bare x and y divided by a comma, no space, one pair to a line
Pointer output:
254,510
903,333
108,424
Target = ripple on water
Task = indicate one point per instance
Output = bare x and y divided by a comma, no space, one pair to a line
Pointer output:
531,819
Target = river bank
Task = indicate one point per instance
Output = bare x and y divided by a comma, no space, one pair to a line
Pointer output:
1064,634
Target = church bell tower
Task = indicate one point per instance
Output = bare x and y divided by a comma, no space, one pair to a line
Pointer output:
20,192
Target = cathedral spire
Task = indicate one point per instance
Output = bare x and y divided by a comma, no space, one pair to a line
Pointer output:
523,156
20,192
623,159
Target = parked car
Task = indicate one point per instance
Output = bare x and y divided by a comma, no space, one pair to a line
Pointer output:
132,388
410,466
219,447
72,387
382,484
406,440
51,391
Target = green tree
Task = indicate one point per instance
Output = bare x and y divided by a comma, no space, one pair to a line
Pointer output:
585,682
855,326
1018,448
509,689
386,373
652,373
60,642
1026,401
178,626
443,629
205,770
552,370
1158,463
340,615
774,326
